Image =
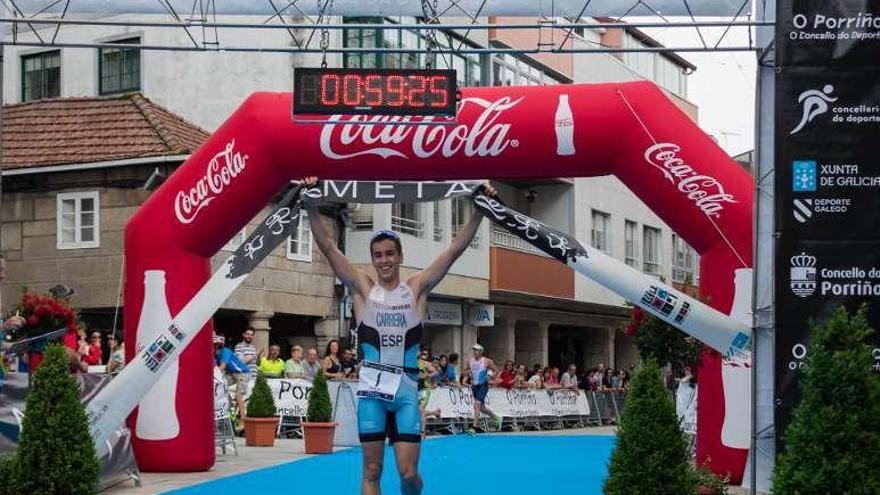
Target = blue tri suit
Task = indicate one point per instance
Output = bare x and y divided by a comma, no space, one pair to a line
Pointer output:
389,333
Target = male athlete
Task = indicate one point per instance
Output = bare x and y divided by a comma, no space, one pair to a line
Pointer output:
477,372
389,314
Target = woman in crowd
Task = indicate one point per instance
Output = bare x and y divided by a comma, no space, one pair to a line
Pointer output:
272,366
552,381
331,363
537,379
520,381
507,376
117,353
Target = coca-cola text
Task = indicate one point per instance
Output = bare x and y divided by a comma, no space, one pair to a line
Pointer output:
705,191
218,175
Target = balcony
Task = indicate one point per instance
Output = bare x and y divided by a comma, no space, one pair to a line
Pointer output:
516,265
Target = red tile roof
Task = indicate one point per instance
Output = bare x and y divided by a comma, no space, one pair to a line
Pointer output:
65,131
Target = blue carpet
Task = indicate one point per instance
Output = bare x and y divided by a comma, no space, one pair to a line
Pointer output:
489,464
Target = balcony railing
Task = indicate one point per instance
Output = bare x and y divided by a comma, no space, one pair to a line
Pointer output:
408,226
510,241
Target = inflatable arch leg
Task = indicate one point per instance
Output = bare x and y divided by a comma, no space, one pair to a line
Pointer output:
630,130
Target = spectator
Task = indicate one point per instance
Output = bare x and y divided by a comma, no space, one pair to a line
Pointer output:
520,380
117,353
450,368
442,367
331,362
569,378
537,379
272,366
232,367
427,382
537,369
247,351
349,366
622,378
293,368
93,355
606,378
507,376
311,366
552,382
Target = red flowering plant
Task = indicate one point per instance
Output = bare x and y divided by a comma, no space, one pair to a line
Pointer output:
44,313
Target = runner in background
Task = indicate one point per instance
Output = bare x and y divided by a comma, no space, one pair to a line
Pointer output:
477,372
428,376
389,312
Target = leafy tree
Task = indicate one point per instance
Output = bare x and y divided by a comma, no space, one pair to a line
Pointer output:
666,344
319,400
650,454
55,450
261,403
832,444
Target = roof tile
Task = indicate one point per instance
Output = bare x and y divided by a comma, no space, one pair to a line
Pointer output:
93,129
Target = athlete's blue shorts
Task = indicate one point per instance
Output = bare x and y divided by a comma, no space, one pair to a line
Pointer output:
399,421
480,391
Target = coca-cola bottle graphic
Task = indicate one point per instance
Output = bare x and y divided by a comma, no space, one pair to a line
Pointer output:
564,128
157,414
736,372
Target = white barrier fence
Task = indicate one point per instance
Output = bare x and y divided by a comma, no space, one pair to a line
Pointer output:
291,399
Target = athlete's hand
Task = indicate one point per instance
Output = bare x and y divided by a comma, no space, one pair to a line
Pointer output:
310,181
489,190
14,323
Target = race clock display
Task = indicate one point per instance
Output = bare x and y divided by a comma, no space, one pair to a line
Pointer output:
417,92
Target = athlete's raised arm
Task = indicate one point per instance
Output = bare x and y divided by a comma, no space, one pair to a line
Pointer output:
428,278
357,281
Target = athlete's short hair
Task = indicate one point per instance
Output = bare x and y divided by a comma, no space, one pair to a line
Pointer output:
386,235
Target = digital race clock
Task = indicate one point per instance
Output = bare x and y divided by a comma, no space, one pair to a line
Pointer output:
374,91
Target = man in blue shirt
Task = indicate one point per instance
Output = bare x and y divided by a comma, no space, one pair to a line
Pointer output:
229,363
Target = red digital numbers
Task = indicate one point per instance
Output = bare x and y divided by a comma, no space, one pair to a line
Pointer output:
392,90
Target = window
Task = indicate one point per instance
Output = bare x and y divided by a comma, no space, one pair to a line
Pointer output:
78,220
630,244
651,251
41,76
683,261
362,216
119,69
599,234
439,221
236,240
467,66
406,218
299,245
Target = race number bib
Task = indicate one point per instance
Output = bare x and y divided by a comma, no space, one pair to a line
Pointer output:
378,381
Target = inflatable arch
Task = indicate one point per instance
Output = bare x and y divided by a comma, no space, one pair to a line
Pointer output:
630,130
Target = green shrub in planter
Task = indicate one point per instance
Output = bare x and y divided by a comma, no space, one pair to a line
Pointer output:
55,452
319,400
833,442
261,404
650,453
5,474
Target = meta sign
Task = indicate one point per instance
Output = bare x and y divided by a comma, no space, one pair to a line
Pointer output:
415,92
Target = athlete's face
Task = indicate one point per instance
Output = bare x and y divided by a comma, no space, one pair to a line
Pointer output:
386,260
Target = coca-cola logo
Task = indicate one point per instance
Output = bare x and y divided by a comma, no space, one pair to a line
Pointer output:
221,170
395,136
705,191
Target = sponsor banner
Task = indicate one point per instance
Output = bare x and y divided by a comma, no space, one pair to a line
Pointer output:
458,403
816,278
444,313
828,183
352,191
291,396
482,315
824,33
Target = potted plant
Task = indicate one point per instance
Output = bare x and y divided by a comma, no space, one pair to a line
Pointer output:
318,430
260,422
708,483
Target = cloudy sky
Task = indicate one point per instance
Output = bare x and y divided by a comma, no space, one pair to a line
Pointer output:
723,86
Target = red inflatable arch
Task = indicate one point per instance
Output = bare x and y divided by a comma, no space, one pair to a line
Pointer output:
630,130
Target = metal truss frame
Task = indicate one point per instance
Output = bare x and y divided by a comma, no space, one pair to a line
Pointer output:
203,29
